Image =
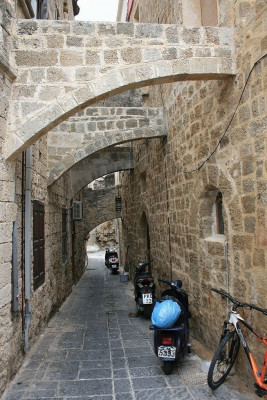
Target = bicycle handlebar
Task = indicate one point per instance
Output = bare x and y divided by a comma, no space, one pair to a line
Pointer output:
237,303
165,281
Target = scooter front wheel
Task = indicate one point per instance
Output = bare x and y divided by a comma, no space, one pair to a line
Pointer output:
167,367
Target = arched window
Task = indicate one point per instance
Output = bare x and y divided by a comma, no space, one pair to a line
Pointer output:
212,215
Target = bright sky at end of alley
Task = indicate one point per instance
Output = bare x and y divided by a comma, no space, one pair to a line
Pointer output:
97,10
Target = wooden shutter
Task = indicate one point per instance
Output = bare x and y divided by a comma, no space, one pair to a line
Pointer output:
38,244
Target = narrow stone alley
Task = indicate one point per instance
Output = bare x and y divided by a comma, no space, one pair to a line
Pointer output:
96,348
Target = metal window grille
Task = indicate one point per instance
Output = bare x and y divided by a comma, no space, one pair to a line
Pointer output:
77,210
118,204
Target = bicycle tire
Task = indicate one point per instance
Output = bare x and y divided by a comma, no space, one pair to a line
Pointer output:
223,360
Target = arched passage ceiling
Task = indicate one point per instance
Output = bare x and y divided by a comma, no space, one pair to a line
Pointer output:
98,128
65,66
101,163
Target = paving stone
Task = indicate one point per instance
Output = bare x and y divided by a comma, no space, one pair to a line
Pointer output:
124,396
122,385
120,373
62,371
111,359
98,373
151,383
86,387
164,394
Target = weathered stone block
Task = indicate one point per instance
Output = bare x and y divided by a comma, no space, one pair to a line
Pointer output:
126,29
148,30
85,73
190,36
250,224
172,34
111,57
27,27
248,167
249,185
5,295
83,28
249,204
6,229
151,55
71,58
74,41
106,29
83,94
92,57
44,58
259,258
55,42
131,55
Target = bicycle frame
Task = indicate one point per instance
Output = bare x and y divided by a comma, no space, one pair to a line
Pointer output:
259,376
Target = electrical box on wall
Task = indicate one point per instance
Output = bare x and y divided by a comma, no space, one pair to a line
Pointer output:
77,210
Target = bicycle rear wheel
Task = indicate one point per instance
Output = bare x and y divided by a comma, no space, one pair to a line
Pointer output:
223,360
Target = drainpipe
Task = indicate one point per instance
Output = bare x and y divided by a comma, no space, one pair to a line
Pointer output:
227,275
28,183
15,253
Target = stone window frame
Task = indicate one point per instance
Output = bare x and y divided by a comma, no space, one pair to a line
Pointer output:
211,212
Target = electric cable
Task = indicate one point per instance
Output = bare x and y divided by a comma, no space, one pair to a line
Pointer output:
227,128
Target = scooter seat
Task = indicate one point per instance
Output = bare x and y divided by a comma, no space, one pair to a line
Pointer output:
173,328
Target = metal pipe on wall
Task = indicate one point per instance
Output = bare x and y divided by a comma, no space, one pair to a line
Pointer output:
15,293
28,187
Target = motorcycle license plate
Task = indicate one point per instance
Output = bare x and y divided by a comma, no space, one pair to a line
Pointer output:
147,298
166,351
114,266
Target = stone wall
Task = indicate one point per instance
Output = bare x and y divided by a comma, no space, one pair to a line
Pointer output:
65,66
99,206
59,276
175,180
8,210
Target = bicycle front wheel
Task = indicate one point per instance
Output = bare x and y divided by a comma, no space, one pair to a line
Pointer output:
223,360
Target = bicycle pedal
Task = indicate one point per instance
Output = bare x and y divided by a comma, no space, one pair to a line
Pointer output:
259,391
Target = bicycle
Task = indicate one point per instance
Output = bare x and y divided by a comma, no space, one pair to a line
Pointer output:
226,353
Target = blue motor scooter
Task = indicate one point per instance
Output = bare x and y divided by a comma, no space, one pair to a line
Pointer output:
170,343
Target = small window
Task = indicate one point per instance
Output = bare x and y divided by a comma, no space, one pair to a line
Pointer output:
64,234
143,181
219,214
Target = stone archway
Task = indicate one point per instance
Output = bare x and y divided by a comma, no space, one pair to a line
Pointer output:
99,164
63,67
100,128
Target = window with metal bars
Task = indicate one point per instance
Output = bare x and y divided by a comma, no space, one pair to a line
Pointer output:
38,244
64,234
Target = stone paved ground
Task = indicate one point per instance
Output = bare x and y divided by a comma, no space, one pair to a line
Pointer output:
95,348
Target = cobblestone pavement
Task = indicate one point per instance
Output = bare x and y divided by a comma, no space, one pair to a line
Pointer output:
96,348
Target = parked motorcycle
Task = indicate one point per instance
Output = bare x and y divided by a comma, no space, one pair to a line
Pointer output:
144,289
170,343
112,260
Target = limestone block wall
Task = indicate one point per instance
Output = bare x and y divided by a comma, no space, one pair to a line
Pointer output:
99,206
58,281
97,128
8,210
66,66
174,182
